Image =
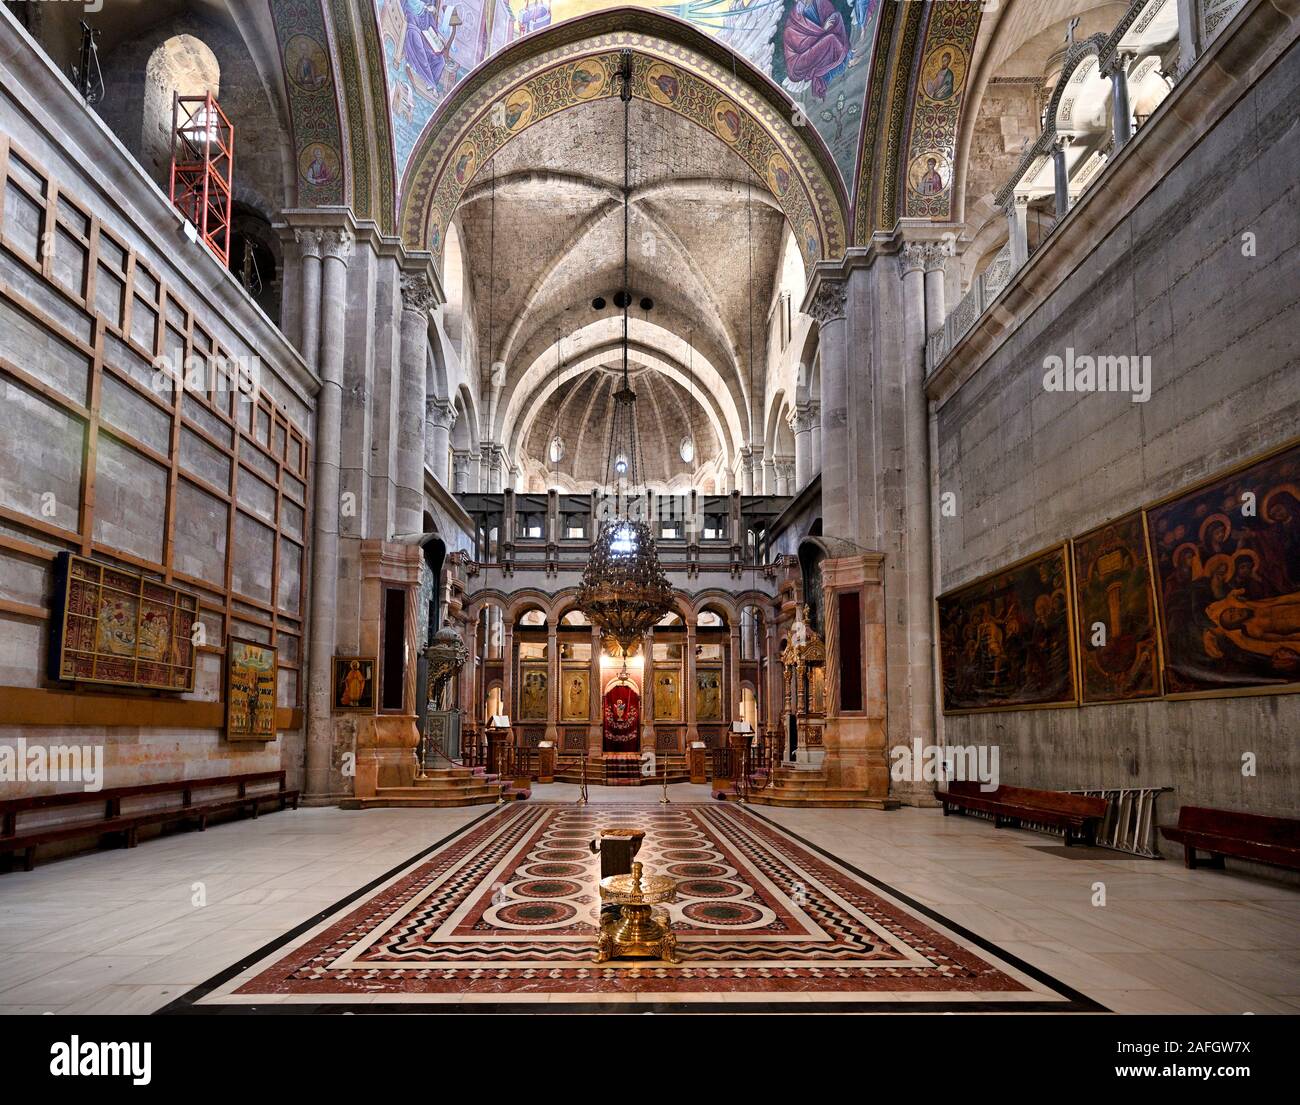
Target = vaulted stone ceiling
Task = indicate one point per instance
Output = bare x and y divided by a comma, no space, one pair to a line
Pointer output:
705,238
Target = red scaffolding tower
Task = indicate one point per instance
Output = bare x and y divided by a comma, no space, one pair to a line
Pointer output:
203,158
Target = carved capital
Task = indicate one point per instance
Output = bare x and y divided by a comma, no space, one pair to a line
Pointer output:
441,412
828,301
911,258
935,256
309,241
337,243
417,293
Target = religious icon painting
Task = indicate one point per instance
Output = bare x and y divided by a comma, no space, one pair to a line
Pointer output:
668,695
517,110
726,121
251,677
708,696
354,683
1119,655
1006,640
575,701
779,175
318,163
465,162
533,682
587,80
305,63
1227,567
663,84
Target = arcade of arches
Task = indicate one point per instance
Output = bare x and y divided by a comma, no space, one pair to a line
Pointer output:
962,341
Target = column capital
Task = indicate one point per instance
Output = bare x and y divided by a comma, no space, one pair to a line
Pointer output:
441,412
828,301
800,418
417,293
337,242
309,241
911,258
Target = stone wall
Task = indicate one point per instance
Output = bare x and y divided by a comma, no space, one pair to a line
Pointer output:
95,459
1173,279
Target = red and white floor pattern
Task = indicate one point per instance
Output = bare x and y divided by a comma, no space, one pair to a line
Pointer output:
504,913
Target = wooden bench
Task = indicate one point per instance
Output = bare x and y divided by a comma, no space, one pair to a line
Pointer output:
1076,815
1272,840
111,820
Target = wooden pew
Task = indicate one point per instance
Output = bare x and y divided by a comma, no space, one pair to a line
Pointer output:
109,818
1076,815
1272,840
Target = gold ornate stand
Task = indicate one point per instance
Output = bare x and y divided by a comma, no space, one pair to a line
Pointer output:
637,934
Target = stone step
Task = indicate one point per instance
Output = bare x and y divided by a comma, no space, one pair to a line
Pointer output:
468,791
387,801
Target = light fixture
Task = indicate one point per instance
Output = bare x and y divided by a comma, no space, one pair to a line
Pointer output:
687,450
624,590
556,450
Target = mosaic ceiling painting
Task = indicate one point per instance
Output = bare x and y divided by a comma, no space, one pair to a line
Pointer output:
818,51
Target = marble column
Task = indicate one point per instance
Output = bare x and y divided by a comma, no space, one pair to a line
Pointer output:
595,736
554,690
1120,112
1061,176
935,309
772,670
439,418
508,671
336,249
418,299
688,691
649,740
1189,34
827,307
733,671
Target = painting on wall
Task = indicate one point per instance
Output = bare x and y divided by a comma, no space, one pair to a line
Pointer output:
1115,600
1006,640
708,696
354,683
575,702
668,695
533,682
250,690
1227,562
818,51
120,628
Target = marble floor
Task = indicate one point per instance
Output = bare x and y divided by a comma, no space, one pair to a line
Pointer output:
129,931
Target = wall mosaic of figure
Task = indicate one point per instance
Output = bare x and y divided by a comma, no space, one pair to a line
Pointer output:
818,51
1118,655
1227,559
1196,595
940,91
1006,639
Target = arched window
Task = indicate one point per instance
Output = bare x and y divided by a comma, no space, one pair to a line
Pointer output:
183,65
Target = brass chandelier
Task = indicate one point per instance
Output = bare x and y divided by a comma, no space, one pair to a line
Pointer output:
624,590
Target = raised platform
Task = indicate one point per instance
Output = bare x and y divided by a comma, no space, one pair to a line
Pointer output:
798,785
619,769
448,786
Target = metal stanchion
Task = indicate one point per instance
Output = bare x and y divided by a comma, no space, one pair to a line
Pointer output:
582,791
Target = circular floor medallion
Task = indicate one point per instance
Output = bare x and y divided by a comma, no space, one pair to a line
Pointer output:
553,870
535,913
709,888
689,854
696,870
563,855
723,914
549,888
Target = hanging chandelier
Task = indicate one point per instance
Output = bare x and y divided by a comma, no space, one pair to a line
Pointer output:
624,591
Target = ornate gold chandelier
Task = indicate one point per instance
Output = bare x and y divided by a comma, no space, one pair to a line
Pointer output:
624,590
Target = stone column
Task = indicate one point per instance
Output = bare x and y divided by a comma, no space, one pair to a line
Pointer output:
309,244
1189,34
336,249
815,458
922,314
649,739
508,671
733,671
1061,175
801,425
418,300
826,306
769,476
595,740
772,669
746,470
439,418
460,470
1121,114
1017,212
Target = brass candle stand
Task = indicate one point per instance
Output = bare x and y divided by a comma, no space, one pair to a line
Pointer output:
637,934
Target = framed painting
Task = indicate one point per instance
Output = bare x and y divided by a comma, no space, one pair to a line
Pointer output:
1006,641
575,699
668,694
1227,568
708,695
251,677
533,686
118,627
1114,595
353,684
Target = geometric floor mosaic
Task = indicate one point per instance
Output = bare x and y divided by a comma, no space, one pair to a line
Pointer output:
503,915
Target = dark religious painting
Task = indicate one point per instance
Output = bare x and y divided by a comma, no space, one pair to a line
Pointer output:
119,627
1116,613
1227,559
354,683
1006,639
251,671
